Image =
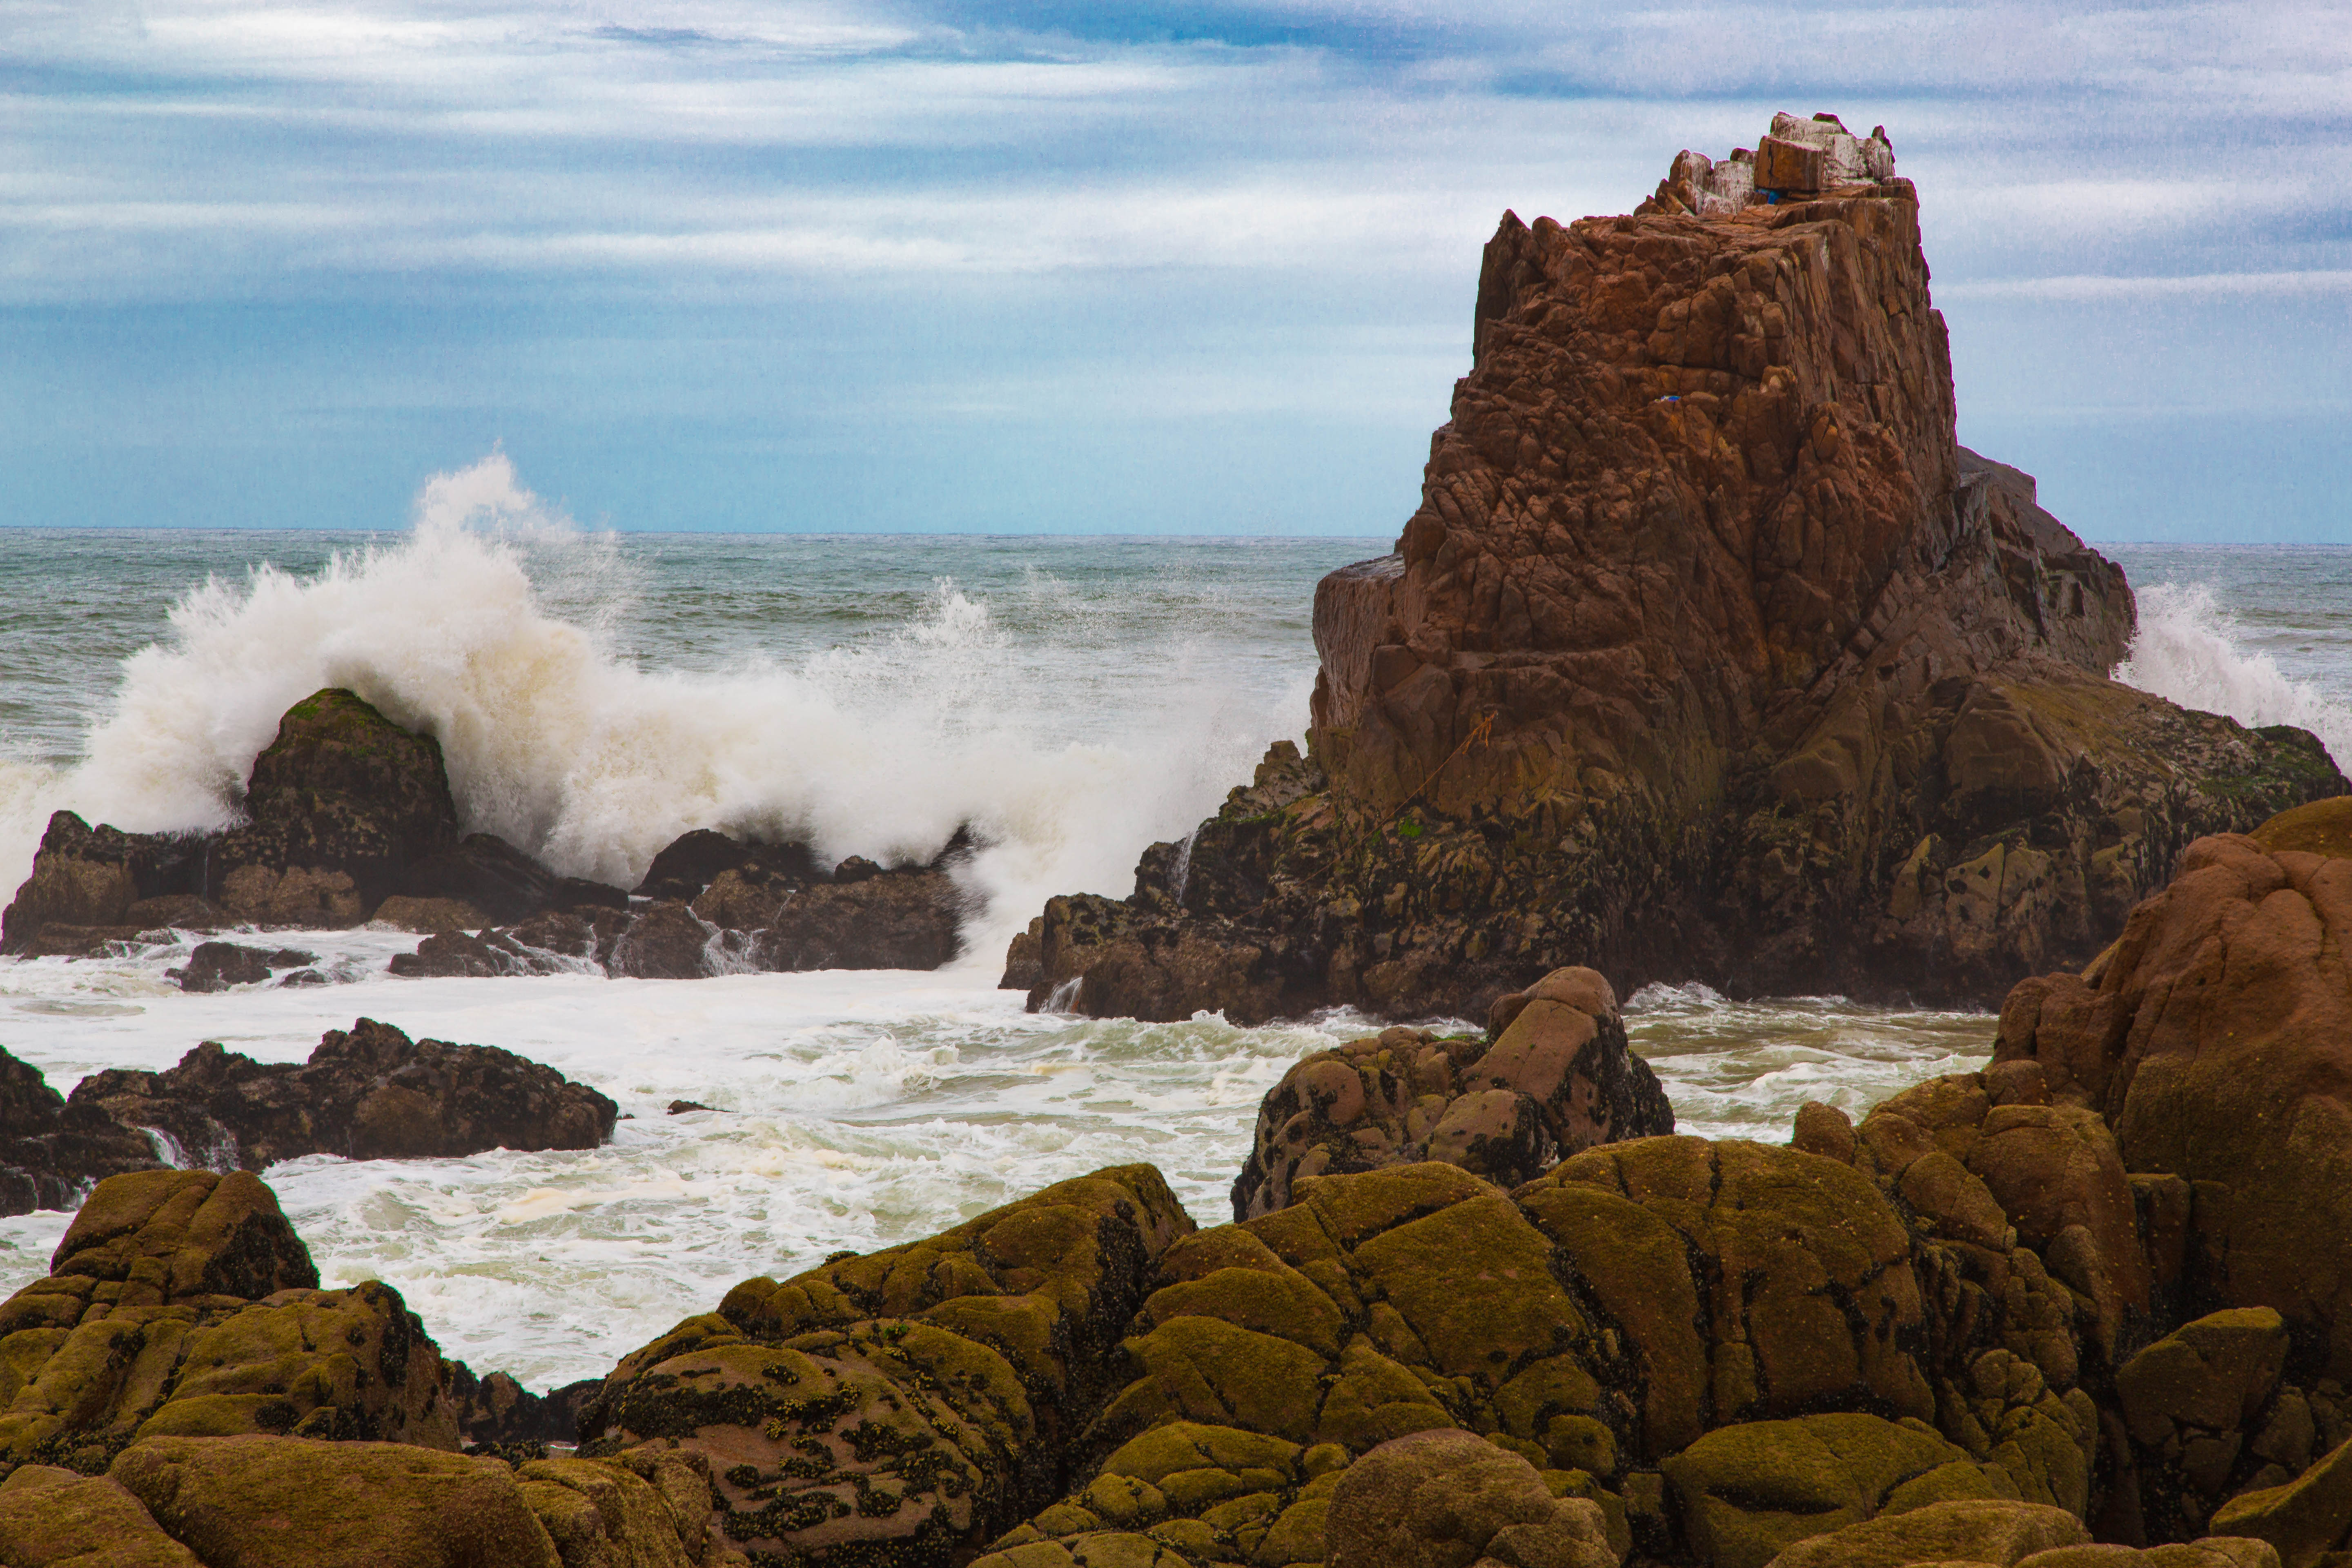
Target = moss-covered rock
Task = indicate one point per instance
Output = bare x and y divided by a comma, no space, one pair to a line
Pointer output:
602,1515
904,1406
288,1502
2304,1520
149,1325
1436,1499
52,1518
1997,1533
1745,1493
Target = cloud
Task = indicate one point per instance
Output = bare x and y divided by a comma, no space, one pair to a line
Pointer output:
2090,288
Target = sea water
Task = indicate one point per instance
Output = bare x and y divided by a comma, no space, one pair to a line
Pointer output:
596,694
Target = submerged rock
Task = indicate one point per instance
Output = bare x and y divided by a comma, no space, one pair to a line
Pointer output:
1708,655
366,1093
217,966
1557,1079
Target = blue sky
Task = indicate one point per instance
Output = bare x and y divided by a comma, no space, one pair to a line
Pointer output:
1157,267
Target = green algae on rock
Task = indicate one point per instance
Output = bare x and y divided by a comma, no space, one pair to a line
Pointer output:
903,1407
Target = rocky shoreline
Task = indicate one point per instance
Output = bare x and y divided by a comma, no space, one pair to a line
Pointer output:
1709,653
348,820
1479,1304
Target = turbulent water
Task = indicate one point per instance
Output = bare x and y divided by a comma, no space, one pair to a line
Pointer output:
595,695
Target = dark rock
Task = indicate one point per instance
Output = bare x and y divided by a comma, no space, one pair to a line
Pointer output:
681,1107
665,943
1559,1079
1708,654
456,953
894,919
217,966
368,1093
694,861
856,868
485,872
90,879
51,1151
580,893
338,807
496,1410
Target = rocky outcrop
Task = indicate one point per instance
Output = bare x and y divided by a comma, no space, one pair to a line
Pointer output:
721,905
181,1302
366,1093
907,1405
51,1151
349,818
1556,1079
1708,654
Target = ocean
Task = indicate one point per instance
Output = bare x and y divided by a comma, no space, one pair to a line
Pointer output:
1073,699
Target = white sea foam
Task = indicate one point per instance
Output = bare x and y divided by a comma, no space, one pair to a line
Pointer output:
487,625
2191,650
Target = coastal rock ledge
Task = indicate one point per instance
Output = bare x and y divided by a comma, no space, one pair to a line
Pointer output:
1709,653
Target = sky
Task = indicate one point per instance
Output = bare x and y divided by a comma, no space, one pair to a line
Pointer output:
1156,268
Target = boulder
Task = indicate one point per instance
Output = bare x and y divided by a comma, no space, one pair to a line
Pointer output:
667,941
1747,1492
2215,1036
179,1303
366,1093
1708,654
1558,1079
2303,1520
1440,1499
1979,1531
484,873
336,807
217,966
53,1518
2196,1405
912,1403
86,882
50,1151
283,1502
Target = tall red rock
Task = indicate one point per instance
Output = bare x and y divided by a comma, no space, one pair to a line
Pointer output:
1708,654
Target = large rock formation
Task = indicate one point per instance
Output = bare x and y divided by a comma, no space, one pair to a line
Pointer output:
366,1093
1708,654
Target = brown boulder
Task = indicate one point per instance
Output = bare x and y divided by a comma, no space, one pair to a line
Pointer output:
1994,1532
52,1518
366,1093
1559,1079
2216,1036
283,1502
1442,1498
217,966
86,882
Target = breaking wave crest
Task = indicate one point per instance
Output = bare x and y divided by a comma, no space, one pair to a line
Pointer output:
488,625
2191,651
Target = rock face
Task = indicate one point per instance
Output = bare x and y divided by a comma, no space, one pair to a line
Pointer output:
1708,655
909,1406
50,1151
366,1093
1557,1079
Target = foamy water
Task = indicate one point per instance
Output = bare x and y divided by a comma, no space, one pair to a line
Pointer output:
596,695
